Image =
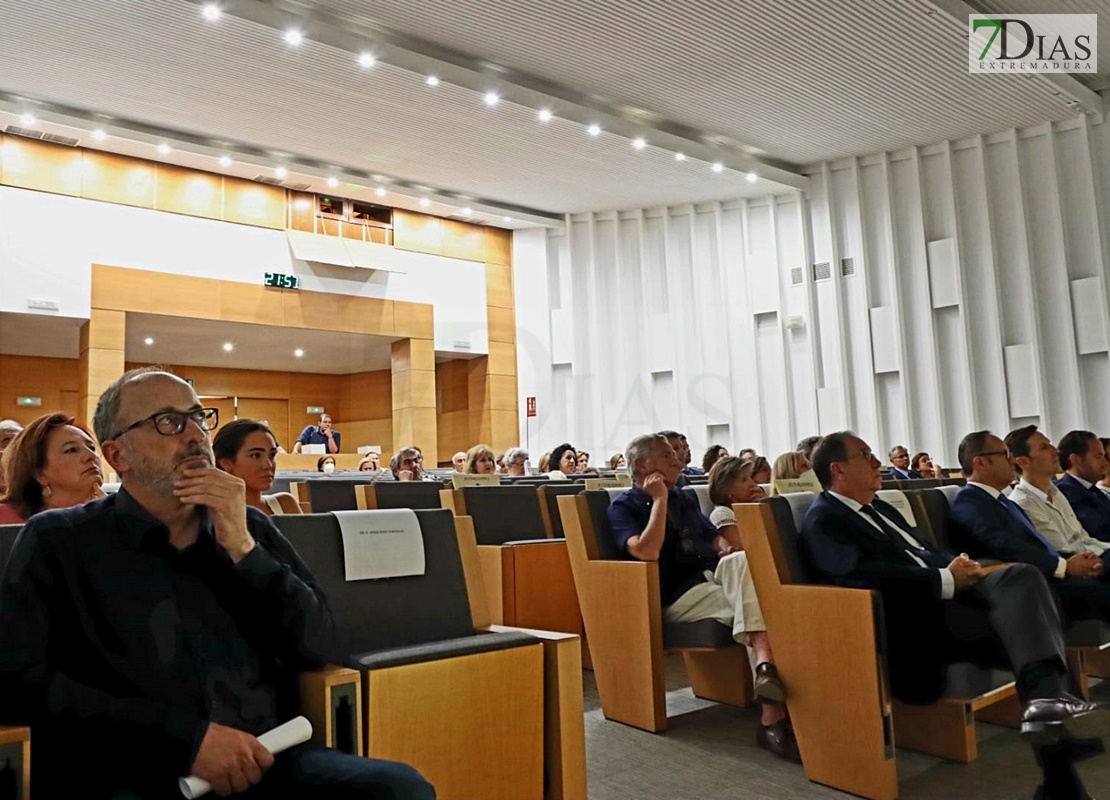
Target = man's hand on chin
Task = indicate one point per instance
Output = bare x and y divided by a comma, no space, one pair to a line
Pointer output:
225,497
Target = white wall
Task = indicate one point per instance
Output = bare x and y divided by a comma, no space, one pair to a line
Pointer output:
49,242
979,300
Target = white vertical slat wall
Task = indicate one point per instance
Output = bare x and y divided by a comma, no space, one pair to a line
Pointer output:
912,296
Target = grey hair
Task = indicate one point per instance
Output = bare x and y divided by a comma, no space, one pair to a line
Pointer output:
640,448
106,417
398,457
513,453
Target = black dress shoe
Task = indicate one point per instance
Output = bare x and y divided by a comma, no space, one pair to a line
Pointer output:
1048,719
778,738
1042,794
768,685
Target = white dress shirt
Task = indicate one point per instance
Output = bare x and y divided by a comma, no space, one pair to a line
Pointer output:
947,580
1062,567
1055,519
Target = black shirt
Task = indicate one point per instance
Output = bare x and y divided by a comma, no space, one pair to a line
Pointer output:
119,649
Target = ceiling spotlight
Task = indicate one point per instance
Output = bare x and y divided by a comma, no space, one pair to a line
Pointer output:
225,161
639,144
491,99
293,37
299,353
99,135
593,130
432,80
545,115
365,60
751,177
679,156
425,202
163,149
333,182
466,212
380,192
717,166
211,12
228,347
148,341
281,172
27,120
506,219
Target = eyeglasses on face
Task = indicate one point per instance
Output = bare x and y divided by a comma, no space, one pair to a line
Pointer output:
171,423
990,453
865,454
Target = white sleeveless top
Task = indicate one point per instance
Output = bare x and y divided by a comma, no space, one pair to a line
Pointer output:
273,503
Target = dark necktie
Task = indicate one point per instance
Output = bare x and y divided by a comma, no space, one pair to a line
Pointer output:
1102,500
900,540
1018,513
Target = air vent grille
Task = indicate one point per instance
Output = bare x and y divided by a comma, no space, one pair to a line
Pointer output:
270,179
298,187
27,133
847,267
797,276
822,271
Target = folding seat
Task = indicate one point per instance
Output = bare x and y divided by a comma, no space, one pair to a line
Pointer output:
830,650
399,494
549,504
700,492
329,494
623,616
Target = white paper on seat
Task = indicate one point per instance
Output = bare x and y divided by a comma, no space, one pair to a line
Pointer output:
381,544
296,731
896,498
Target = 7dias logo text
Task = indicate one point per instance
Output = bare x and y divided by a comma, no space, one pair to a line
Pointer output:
1032,43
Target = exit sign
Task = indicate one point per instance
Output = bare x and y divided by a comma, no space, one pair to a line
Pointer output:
28,401
314,410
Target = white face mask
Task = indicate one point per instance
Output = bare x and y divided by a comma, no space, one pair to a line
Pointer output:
329,467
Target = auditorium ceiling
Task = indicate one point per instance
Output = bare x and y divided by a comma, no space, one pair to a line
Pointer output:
761,88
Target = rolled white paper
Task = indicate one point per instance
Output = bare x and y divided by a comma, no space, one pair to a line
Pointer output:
296,731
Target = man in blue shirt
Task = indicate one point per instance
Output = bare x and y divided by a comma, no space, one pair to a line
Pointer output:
319,434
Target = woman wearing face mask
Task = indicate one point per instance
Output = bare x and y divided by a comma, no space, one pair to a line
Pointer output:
247,449
325,464
51,464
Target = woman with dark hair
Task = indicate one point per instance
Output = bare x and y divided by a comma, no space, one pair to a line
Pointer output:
715,453
52,463
247,449
564,462
924,465
480,461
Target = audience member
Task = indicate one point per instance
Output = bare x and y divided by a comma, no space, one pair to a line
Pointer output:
563,462
515,458
325,464
789,466
407,464
731,481
545,462
584,462
319,434
9,429
51,464
806,446
479,460
701,575
176,552
900,464
371,463
923,466
991,525
939,608
1104,484
1083,460
712,456
616,461
682,449
458,461
1036,460
247,449
761,469
748,453
499,460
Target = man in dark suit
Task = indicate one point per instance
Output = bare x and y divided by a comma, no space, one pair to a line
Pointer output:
940,608
990,525
1083,459
900,464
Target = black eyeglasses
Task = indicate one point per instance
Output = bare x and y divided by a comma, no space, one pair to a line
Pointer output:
865,454
171,423
994,453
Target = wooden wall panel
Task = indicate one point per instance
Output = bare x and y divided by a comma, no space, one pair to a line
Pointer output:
417,232
302,211
118,179
463,240
499,285
55,380
502,359
369,396
41,166
451,386
188,191
274,411
502,324
499,246
250,203
413,320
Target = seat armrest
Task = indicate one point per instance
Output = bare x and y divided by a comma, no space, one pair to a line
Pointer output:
331,699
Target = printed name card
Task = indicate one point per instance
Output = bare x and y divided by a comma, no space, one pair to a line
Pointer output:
460,480
381,544
616,482
895,498
806,482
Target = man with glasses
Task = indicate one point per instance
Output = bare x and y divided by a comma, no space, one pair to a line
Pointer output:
900,464
156,633
515,457
940,608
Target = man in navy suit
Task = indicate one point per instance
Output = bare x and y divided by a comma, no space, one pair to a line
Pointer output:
900,464
990,525
1083,459
940,608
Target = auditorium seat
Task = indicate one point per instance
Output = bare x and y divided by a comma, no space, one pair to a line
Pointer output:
829,650
333,494
700,492
623,616
549,502
399,494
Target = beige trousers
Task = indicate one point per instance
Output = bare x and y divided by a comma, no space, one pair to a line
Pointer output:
728,596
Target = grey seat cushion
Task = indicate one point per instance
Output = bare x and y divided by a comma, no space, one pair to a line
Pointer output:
703,633
789,511
408,494
435,651
550,494
598,503
504,513
334,494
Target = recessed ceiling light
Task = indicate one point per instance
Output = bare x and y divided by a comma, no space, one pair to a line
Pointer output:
593,130
506,219
281,172
27,120
491,98
545,115
211,12
333,182
380,192
717,166
299,353
432,80
228,347
225,161
148,341
163,149
365,60
99,135
679,156
425,202
466,212
639,144
293,37
751,177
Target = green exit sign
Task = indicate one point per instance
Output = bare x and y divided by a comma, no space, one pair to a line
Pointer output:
314,410
28,401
